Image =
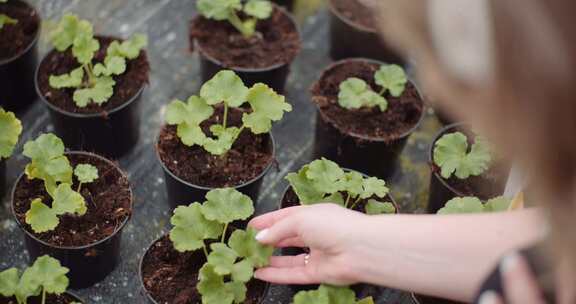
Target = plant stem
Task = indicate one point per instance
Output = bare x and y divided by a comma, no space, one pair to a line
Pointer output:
355,203
205,251
43,296
225,120
382,91
79,187
224,233
88,70
347,201
238,24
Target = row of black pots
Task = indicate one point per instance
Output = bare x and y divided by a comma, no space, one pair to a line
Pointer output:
88,264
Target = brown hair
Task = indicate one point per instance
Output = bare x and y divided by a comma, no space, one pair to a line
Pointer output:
528,109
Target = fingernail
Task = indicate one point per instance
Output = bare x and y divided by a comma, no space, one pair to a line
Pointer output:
488,297
257,274
261,235
510,262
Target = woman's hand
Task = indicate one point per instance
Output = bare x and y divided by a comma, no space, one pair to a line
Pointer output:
520,286
332,234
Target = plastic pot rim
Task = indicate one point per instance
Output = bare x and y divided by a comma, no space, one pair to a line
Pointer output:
32,43
349,22
217,62
118,230
361,136
179,179
141,275
54,108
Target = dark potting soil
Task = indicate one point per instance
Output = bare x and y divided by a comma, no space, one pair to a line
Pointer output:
15,38
277,42
354,11
127,84
250,155
109,202
50,299
488,185
402,115
290,199
171,277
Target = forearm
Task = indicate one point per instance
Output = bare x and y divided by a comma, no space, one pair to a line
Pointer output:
447,256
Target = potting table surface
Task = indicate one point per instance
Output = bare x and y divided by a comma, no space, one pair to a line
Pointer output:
175,74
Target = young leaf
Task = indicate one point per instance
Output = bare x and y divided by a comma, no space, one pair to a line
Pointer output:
374,207
242,271
260,9
267,106
335,198
353,183
245,244
191,228
337,294
462,205
356,93
40,217
306,192
227,205
10,130
312,296
215,291
102,91
326,175
70,80
222,259
225,87
452,156
50,274
497,204
129,49
218,9
5,19
113,65
368,300
65,33
374,186
48,160
85,46
392,78
29,286
188,116
225,138
9,282
86,173
68,201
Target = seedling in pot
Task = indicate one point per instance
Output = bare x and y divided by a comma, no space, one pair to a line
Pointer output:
356,93
471,204
10,130
454,157
229,266
324,181
227,89
51,166
45,276
5,19
93,82
327,294
229,10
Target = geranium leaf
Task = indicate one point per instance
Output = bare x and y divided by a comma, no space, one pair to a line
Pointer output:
350,93
391,77
29,285
267,106
9,279
304,189
312,296
68,28
50,274
10,130
214,291
222,259
191,228
86,173
217,9
40,217
326,175
193,112
68,201
353,183
462,205
225,87
5,19
374,207
70,80
246,245
102,90
113,65
129,49
260,9
368,300
374,186
85,46
497,204
242,271
191,135
335,198
227,205
225,138
339,294
451,155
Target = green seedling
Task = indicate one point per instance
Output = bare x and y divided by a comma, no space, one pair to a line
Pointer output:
10,130
225,88
45,276
229,266
49,164
470,204
5,19
453,156
228,10
327,294
356,93
92,82
324,181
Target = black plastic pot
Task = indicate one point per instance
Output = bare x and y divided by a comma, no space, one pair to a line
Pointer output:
349,40
372,156
3,185
181,192
274,76
88,264
17,77
200,257
112,133
418,299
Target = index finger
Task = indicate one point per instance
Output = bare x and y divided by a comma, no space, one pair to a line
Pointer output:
269,219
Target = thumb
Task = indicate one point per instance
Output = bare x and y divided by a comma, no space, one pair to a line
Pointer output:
284,229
